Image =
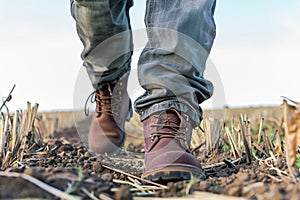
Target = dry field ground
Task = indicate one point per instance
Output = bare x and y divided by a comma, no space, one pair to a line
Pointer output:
244,157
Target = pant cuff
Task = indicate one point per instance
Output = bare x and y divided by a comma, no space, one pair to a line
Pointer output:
100,79
195,116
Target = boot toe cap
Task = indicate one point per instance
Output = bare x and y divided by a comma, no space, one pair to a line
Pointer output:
172,159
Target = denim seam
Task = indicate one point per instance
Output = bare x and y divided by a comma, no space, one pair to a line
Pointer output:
149,20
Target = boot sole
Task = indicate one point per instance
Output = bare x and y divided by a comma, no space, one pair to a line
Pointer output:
174,173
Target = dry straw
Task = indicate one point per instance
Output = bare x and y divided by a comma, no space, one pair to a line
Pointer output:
262,146
17,135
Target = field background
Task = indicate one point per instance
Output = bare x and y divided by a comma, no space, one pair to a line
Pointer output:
64,119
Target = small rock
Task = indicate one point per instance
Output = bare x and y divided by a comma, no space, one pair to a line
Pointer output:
107,177
97,167
123,193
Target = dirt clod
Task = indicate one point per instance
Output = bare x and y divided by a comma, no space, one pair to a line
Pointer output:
107,177
97,167
123,193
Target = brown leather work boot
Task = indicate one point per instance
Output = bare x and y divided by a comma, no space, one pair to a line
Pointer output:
167,156
113,108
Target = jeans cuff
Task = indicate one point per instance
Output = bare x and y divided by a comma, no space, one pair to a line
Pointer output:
99,80
195,116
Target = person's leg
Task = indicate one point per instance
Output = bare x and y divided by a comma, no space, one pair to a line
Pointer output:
103,26
171,67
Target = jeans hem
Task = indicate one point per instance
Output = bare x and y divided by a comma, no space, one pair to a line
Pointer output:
110,78
195,116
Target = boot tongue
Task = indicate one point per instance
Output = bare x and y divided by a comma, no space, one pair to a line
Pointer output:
167,126
105,94
103,99
171,118
105,91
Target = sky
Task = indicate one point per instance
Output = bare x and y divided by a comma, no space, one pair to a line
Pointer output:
255,54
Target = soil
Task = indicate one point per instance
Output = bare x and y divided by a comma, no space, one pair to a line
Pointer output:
65,163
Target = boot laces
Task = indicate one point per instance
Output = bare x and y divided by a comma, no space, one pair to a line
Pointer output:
167,128
107,102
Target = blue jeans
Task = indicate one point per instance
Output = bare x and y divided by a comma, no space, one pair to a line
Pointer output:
171,66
